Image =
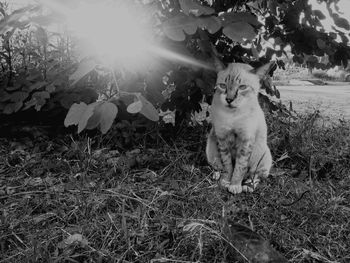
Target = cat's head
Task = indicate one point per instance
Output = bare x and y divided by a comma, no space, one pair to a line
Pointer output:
238,84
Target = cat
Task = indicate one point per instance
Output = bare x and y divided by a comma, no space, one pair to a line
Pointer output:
237,142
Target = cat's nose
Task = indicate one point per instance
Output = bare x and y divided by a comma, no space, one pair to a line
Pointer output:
229,100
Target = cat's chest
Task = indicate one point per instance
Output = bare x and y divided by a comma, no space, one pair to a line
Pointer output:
229,127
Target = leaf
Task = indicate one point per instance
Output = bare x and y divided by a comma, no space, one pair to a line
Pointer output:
50,88
135,107
319,14
277,92
231,17
211,23
341,22
84,68
18,96
68,97
12,107
195,8
239,31
13,20
104,115
148,110
109,113
174,27
37,85
89,111
4,96
95,119
38,100
41,98
311,59
173,30
74,114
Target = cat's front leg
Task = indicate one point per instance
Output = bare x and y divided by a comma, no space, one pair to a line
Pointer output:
259,164
212,151
226,159
244,151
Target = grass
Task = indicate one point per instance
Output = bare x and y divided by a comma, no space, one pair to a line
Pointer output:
332,75
67,201
301,73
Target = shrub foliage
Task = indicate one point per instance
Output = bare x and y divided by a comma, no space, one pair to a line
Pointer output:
43,70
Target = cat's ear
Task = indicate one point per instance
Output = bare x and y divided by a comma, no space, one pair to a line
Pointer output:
264,70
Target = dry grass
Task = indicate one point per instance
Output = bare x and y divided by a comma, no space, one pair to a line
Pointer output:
75,203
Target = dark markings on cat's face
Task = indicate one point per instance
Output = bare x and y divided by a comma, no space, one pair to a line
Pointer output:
234,87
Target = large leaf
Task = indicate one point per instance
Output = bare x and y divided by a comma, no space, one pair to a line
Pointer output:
135,107
239,31
84,68
37,85
211,23
175,27
318,14
95,119
231,17
148,110
194,7
18,96
108,112
13,20
12,107
103,116
341,22
89,111
4,96
38,100
143,106
74,114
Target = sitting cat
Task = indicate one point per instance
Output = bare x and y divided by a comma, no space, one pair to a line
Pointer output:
237,142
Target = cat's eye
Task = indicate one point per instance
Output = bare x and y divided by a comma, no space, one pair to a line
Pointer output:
243,87
221,87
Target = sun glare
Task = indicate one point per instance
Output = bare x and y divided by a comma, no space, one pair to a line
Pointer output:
115,31
110,30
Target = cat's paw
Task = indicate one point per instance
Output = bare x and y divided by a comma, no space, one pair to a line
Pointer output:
250,185
247,188
217,164
224,183
235,188
216,175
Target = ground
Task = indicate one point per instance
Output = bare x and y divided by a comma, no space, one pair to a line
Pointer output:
79,199
331,99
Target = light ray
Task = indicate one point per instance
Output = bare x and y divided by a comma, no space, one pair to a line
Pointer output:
179,57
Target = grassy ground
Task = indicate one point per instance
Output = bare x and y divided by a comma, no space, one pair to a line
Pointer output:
69,201
300,73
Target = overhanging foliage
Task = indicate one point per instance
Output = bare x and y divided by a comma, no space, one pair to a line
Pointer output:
44,70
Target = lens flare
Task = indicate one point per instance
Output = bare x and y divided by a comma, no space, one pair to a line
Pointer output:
111,30
115,31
